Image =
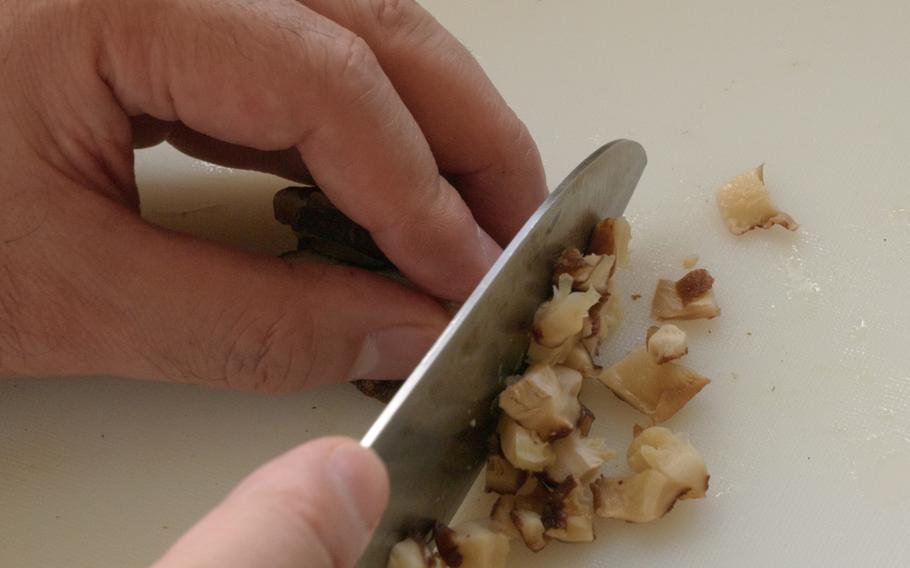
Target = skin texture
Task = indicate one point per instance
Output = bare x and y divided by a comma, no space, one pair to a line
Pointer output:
372,99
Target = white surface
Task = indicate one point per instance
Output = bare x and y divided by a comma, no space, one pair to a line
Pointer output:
806,427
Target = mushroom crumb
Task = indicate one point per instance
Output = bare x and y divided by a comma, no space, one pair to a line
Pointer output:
690,261
745,204
691,297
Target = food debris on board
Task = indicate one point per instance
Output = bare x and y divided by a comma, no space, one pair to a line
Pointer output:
542,463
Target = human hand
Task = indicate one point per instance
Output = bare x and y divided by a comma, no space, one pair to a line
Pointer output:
314,507
374,96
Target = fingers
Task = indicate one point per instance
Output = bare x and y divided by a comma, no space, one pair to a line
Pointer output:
154,304
475,136
315,506
277,75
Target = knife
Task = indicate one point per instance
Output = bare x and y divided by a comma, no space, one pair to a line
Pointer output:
433,434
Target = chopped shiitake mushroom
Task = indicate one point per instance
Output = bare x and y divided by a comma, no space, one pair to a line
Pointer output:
672,455
658,391
544,400
530,528
587,271
639,498
501,516
578,457
611,237
666,343
603,319
690,261
409,553
571,512
471,545
562,317
745,204
580,360
691,297
502,477
522,447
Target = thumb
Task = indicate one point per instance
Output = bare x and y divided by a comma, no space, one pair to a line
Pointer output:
316,506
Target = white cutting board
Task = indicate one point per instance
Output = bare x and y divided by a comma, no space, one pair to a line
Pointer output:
806,427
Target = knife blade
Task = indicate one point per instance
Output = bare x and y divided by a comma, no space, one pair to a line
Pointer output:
433,434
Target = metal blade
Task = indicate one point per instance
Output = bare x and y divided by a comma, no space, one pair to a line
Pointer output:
433,434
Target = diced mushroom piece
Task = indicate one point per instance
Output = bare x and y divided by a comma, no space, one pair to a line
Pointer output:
562,317
580,360
471,545
602,321
611,237
529,487
745,204
577,509
502,477
658,391
690,261
544,400
672,455
501,516
640,498
522,447
578,457
585,421
587,271
666,343
409,553
530,528
691,297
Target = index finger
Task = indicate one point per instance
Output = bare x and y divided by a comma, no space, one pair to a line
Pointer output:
476,137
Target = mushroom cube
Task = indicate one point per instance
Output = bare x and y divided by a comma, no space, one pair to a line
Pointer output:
471,545
544,400
502,477
611,237
691,297
640,498
578,457
658,391
666,343
530,527
745,204
409,553
672,455
522,447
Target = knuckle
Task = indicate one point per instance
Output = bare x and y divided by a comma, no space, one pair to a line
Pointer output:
270,355
397,16
354,60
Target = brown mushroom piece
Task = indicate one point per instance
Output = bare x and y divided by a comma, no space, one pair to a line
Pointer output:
745,204
611,237
522,447
502,477
673,455
578,457
559,321
471,545
409,553
666,343
530,527
544,400
569,516
690,297
587,271
501,516
639,498
658,391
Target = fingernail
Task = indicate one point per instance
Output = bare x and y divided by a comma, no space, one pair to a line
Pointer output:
361,483
392,353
